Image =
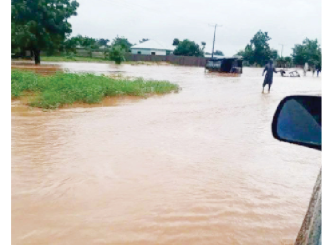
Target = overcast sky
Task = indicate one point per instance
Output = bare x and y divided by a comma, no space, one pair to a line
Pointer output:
287,22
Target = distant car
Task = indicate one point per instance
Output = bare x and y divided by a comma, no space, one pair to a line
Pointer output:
297,120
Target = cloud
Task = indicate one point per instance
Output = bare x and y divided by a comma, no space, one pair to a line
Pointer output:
287,22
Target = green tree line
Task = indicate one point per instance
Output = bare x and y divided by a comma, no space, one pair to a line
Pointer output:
259,52
42,25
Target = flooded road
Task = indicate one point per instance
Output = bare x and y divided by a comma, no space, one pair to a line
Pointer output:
197,167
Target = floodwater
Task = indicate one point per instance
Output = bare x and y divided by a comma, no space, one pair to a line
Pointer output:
196,167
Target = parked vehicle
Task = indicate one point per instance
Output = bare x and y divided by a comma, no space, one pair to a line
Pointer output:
225,64
297,120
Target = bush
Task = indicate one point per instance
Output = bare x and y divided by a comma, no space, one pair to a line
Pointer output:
67,88
117,54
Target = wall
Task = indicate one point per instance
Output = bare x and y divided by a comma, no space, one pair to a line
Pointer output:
82,53
98,55
178,60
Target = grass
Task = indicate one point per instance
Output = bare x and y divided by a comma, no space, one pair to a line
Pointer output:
67,88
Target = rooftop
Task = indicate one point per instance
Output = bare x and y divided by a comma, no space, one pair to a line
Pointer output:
153,44
224,57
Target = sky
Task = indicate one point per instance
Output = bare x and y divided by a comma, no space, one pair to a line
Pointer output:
287,22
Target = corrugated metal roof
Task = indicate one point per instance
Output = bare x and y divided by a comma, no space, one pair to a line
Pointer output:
230,57
153,44
223,57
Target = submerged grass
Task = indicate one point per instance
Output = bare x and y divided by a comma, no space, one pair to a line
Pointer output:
67,88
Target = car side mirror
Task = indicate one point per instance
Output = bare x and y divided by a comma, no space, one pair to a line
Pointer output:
297,120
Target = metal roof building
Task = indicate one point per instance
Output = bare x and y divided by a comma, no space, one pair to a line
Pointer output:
152,47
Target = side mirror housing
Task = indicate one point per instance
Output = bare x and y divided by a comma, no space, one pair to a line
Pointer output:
297,120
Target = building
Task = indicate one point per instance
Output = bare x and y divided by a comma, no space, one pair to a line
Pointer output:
215,56
152,47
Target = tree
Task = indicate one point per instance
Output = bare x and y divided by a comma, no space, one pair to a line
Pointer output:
117,54
261,51
258,50
123,43
41,24
143,40
70,44
309,51
103,42
284,61
188,48
247,54
175,42
203,46
86,41
288,60
273,54
218,52
14,44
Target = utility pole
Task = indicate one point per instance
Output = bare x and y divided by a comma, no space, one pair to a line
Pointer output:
216,25
282,50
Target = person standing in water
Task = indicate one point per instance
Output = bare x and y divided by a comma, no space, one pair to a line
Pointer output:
269,68
305,68
318,68
313,70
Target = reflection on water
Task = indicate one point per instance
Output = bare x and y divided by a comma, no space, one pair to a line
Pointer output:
197,167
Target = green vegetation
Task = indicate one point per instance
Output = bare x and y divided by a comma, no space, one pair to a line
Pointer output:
284,62
88,43
117,54
40,24
258,50
66,88
103,42
188,48
216,52
307,52
176,42
122,42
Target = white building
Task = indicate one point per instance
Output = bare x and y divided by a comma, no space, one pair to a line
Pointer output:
152,47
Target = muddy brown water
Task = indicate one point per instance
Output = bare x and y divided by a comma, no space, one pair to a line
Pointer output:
197,167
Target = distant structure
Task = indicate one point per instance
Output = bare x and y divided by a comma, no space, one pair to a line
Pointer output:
209,55
152,47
